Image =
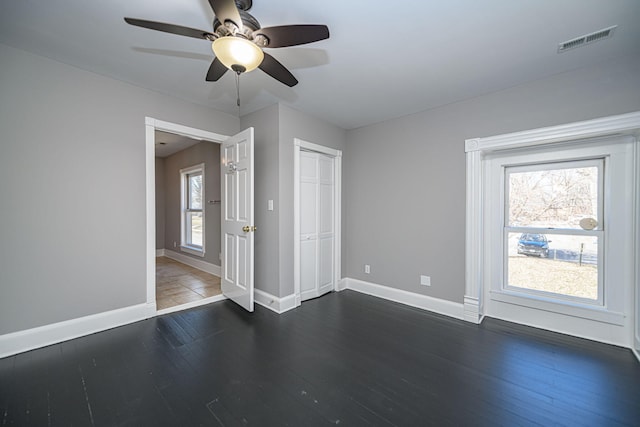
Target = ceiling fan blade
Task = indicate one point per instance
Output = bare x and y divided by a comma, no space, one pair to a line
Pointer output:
275,69
293,35
169,28
216,70
226,10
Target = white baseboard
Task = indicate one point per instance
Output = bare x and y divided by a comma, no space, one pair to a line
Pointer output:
273,303
436,305
160,252
207,267
342,285
18,342
472,310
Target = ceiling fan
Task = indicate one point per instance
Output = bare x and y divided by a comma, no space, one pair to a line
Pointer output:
238,41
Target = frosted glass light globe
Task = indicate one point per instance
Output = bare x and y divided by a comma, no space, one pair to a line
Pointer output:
237,51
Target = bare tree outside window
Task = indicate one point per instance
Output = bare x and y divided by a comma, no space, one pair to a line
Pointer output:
553,198
195,191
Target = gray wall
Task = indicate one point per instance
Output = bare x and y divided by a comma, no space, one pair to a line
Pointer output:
160,192
72,185
275,129
72,182
209,154
295,124
405,178
265,124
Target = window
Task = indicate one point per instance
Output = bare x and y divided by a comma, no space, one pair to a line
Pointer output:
558,221
192,184
553,230
605,242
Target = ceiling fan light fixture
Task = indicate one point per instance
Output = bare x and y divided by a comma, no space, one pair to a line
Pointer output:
237,53
238,38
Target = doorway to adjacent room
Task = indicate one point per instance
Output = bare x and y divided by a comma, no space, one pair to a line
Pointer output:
227,209
187,190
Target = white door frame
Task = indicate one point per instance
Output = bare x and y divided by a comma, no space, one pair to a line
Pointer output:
299,145
151,126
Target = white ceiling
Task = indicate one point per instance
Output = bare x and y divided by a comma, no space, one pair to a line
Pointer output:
170,143
379,63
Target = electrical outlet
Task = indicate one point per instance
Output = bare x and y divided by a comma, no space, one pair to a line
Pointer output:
175,244
367,268
425,280
269,205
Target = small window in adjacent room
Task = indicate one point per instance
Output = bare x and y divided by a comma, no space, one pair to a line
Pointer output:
192,184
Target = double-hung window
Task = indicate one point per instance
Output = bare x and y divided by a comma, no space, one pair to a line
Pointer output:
553,230
192,230
559,220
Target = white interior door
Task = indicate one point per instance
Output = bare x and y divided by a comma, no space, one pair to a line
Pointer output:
237,161
317,227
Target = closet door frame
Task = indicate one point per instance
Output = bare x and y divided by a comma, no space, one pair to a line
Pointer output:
336,155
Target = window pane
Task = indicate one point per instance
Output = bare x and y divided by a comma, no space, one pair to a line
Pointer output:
194,228
553,198
195,191
557,263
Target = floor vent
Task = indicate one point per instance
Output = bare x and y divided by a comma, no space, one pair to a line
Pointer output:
586,39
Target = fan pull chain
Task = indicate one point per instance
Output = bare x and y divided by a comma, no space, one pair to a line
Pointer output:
238,91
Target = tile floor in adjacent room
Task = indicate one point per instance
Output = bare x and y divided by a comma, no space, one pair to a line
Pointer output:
178,283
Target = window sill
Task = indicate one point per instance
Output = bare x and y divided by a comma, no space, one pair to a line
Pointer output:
567,308
192,250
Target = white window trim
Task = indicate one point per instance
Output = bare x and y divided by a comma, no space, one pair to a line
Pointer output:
615,301
477,148
611,322
184,246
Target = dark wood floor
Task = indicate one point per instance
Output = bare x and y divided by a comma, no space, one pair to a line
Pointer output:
346,359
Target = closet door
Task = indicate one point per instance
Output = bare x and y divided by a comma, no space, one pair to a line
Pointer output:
326,230
317,229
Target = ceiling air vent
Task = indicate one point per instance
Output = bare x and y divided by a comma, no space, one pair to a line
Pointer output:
586,39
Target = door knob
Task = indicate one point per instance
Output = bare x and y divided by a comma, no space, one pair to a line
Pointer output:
254,228
246,229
